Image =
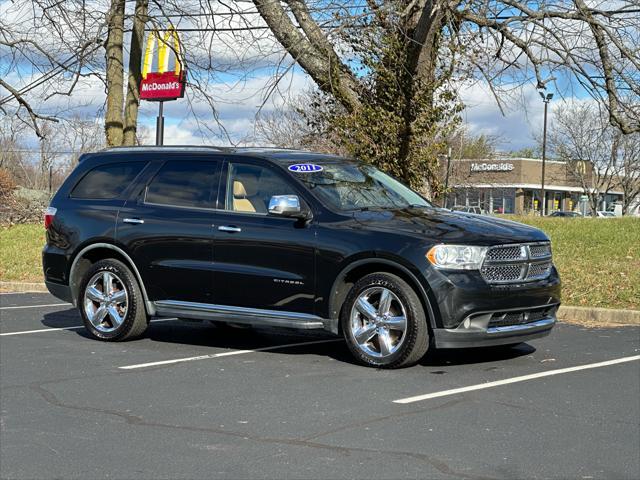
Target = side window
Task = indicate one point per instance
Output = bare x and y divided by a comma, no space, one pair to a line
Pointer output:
250,187
184,183
107,181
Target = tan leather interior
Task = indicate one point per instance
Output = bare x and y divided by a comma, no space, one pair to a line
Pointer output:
245,199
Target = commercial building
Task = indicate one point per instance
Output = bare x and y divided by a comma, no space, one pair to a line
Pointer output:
513,185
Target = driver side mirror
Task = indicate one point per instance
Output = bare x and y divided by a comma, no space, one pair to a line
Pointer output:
289,206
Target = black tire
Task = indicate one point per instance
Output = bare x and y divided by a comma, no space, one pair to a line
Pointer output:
416,335
135,321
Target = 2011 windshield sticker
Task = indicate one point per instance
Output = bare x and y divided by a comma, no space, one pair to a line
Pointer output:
305,168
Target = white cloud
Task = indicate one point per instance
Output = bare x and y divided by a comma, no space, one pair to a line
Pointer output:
522,120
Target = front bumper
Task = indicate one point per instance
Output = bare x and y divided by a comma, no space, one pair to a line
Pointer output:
478,330
457,296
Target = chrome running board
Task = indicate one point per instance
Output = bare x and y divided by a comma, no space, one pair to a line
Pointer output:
226,313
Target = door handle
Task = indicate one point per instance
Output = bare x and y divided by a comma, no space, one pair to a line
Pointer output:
132,220
229,228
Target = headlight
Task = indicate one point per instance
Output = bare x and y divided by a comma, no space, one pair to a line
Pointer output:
457,257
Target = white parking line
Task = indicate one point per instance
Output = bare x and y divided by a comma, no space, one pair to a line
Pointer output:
35,306
79,327
225,354
522,378
39,331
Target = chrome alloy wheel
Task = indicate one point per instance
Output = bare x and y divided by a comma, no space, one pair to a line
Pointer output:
378,322
105,301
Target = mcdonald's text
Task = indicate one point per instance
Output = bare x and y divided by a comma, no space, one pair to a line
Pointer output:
162,86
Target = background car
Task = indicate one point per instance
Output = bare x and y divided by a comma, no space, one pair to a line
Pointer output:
603,214
561,213
476,210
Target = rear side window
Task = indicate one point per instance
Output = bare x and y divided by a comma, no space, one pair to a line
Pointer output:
184,184
107,181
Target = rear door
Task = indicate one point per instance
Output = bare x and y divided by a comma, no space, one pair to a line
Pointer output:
261,261
167,228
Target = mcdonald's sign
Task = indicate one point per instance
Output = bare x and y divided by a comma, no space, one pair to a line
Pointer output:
162,84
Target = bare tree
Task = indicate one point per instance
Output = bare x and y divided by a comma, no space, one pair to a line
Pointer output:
61,42
14,152
582,138
629,172
51,151
292,126
47,50
81,135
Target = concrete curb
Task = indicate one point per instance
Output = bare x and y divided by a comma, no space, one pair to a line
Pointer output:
599,315
23,287
588,315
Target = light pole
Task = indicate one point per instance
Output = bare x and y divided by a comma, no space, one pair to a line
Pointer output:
546,99
446,178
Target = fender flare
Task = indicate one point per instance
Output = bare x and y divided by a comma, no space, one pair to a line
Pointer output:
334,322
73,281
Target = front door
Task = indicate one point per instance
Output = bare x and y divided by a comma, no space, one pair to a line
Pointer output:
261,261
167,228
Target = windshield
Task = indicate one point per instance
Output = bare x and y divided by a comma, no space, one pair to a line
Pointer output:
352,186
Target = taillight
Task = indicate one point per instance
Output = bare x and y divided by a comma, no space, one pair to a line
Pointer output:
49,213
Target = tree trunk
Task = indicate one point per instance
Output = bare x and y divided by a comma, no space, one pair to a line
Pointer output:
135,74
113,124
423,34
594,200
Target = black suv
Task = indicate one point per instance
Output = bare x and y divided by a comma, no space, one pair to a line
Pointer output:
290,239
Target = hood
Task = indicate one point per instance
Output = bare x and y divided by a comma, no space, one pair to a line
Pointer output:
445,226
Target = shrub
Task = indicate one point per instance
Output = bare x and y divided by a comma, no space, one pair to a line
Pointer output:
7,185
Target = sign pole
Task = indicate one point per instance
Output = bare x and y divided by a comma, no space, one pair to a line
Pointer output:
160,124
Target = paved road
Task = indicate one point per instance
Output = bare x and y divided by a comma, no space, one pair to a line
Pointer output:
69,409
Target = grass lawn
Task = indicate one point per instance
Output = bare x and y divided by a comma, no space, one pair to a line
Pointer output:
598,259
21,252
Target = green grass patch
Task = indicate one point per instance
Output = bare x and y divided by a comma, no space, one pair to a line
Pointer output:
21,253
598,259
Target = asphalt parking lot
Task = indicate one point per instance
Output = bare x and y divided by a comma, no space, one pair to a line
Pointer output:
192,401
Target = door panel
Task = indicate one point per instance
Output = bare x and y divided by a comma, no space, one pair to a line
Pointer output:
262,261
170,241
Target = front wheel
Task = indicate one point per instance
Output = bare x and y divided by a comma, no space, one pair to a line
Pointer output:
111,303
384,323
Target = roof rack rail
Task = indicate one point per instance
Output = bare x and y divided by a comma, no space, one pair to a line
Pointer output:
269,149
138,148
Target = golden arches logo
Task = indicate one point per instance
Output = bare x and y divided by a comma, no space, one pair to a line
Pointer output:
167,43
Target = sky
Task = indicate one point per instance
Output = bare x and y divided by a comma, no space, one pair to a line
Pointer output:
517,128
239,105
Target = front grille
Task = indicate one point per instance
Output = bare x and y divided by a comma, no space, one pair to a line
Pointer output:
502,273
507,319
506,253
517,263
538,270
542,250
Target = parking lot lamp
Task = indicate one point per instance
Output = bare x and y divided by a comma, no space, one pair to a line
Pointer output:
546,99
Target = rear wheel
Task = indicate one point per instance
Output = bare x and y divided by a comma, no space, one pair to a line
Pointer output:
111,303
383,322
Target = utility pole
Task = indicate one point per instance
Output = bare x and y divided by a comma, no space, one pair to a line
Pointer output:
546,99
446,179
